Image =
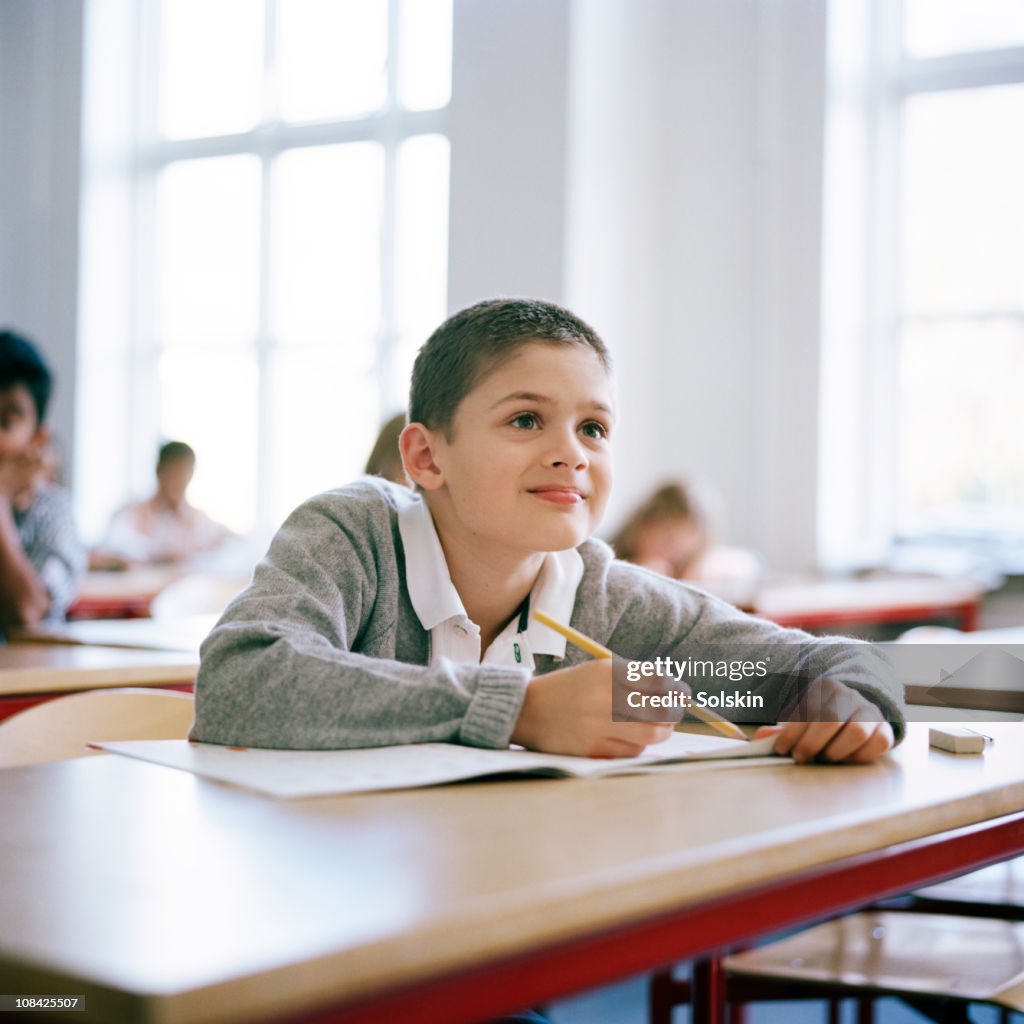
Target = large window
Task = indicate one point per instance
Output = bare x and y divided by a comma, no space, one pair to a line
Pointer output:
927,160
264,239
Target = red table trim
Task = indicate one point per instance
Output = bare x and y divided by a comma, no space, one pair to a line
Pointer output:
533,978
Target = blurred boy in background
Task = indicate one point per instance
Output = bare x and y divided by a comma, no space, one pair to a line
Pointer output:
163,529
40,555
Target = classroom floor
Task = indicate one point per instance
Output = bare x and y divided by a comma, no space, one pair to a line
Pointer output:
626,1003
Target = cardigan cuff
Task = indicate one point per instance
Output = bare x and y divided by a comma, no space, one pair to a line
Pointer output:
494,707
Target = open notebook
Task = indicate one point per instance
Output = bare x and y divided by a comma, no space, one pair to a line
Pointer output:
300,773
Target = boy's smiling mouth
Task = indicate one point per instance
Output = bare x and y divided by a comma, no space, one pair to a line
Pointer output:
558,495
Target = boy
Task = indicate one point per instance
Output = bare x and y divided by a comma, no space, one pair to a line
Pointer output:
164,529
383,616
40,557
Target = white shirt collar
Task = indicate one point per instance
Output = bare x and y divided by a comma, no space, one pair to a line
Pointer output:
435,599
433,595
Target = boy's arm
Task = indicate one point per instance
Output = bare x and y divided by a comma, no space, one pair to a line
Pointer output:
53,555
279,669
23,598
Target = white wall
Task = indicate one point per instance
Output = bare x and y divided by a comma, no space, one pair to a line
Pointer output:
40,74
507,124
693,241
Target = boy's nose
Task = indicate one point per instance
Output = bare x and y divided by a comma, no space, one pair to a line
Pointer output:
569,451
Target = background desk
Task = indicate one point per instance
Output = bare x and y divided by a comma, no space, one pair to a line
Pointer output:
185,634
33,672
835,605
168,898
121,595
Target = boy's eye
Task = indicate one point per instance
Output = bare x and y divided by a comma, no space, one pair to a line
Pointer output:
526,421
594,429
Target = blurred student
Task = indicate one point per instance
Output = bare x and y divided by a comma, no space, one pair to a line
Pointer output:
386,460
670,533
164,529
40,556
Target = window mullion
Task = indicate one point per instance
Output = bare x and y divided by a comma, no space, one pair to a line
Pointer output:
264,343
960,71
143,412
387,333
881,276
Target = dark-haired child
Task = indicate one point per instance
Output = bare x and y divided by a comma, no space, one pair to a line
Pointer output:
382,615
40,556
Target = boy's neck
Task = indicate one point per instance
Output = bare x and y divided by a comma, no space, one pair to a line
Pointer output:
491,583
160,500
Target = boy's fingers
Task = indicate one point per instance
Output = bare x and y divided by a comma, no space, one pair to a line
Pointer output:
662,731
848,740
789,733
825,700
835,722
647,733
631,743
815,737
616,746
881,740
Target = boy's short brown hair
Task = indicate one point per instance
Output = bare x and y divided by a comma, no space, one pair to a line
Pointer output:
475,341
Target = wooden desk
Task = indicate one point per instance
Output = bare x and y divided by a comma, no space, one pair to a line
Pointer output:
163,897
121,595
834,605
33,672
184,634
1006,636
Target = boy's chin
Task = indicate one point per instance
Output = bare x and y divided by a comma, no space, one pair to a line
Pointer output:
558,538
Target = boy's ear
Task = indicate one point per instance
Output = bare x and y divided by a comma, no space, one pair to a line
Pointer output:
41,438
417,445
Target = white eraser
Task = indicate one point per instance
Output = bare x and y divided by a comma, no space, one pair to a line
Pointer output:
956,739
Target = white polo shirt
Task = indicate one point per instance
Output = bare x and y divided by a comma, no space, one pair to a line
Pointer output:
437,604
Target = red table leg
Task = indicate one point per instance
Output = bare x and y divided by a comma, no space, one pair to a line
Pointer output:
708,991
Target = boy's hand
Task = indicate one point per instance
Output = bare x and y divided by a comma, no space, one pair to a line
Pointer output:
832,722
18,475
570,712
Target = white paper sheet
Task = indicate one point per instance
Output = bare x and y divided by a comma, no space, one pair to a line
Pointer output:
302,773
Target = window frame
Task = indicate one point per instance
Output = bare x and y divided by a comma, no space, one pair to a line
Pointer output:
870,80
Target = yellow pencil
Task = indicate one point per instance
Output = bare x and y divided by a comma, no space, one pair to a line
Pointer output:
584,643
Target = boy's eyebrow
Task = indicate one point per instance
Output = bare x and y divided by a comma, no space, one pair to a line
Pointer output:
532,396
12,400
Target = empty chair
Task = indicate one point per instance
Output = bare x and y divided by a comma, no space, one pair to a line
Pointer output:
63,727
937,963
997,891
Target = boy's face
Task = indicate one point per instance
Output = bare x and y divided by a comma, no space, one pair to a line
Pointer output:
529,463
670,546
20,432
173,478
